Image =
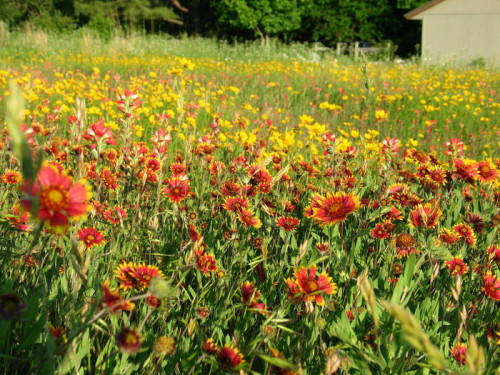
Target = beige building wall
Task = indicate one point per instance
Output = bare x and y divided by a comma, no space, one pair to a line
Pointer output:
461,31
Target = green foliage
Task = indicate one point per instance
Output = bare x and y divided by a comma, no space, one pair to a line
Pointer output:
326,21
263,17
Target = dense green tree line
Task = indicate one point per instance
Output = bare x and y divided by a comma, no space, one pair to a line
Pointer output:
326,21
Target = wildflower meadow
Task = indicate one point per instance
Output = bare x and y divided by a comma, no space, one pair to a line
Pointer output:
188,207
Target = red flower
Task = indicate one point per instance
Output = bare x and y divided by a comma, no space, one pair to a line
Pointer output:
205,262
110,180
19,220
235,204
91,237
448,236
145,273
115,214
457,266
425,215
11,177
466,233
137,276
491,286
312,287
178,170
249,293
99,131
322,247
334,207
129,341
486,172
494,253
294,291
380,231
466,169
210,347
113,298
248,219
459,353
288,223
229,356
177,189
60,198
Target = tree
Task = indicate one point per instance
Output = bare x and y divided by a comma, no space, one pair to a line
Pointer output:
129,13
264,18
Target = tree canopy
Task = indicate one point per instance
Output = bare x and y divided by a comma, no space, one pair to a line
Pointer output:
326,21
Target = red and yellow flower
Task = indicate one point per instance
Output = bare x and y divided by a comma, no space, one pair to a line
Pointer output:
60,198
491,286
333,208
459,352
177,189
288,223
457,266
229,356
309,286
91,237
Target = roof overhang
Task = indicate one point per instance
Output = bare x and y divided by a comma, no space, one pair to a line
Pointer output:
415,13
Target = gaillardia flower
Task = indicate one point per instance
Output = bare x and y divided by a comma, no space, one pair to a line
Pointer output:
491,286
137,276
334,207
312,287
60,198
459,352
229,356
129,341
90,237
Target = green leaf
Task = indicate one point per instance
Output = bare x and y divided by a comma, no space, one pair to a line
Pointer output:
278,362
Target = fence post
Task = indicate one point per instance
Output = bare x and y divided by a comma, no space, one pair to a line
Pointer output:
356,50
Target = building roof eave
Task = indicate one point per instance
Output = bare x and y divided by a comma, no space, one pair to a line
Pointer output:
415,13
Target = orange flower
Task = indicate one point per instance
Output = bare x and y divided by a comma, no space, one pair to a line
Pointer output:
334,207
312,287
60,198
